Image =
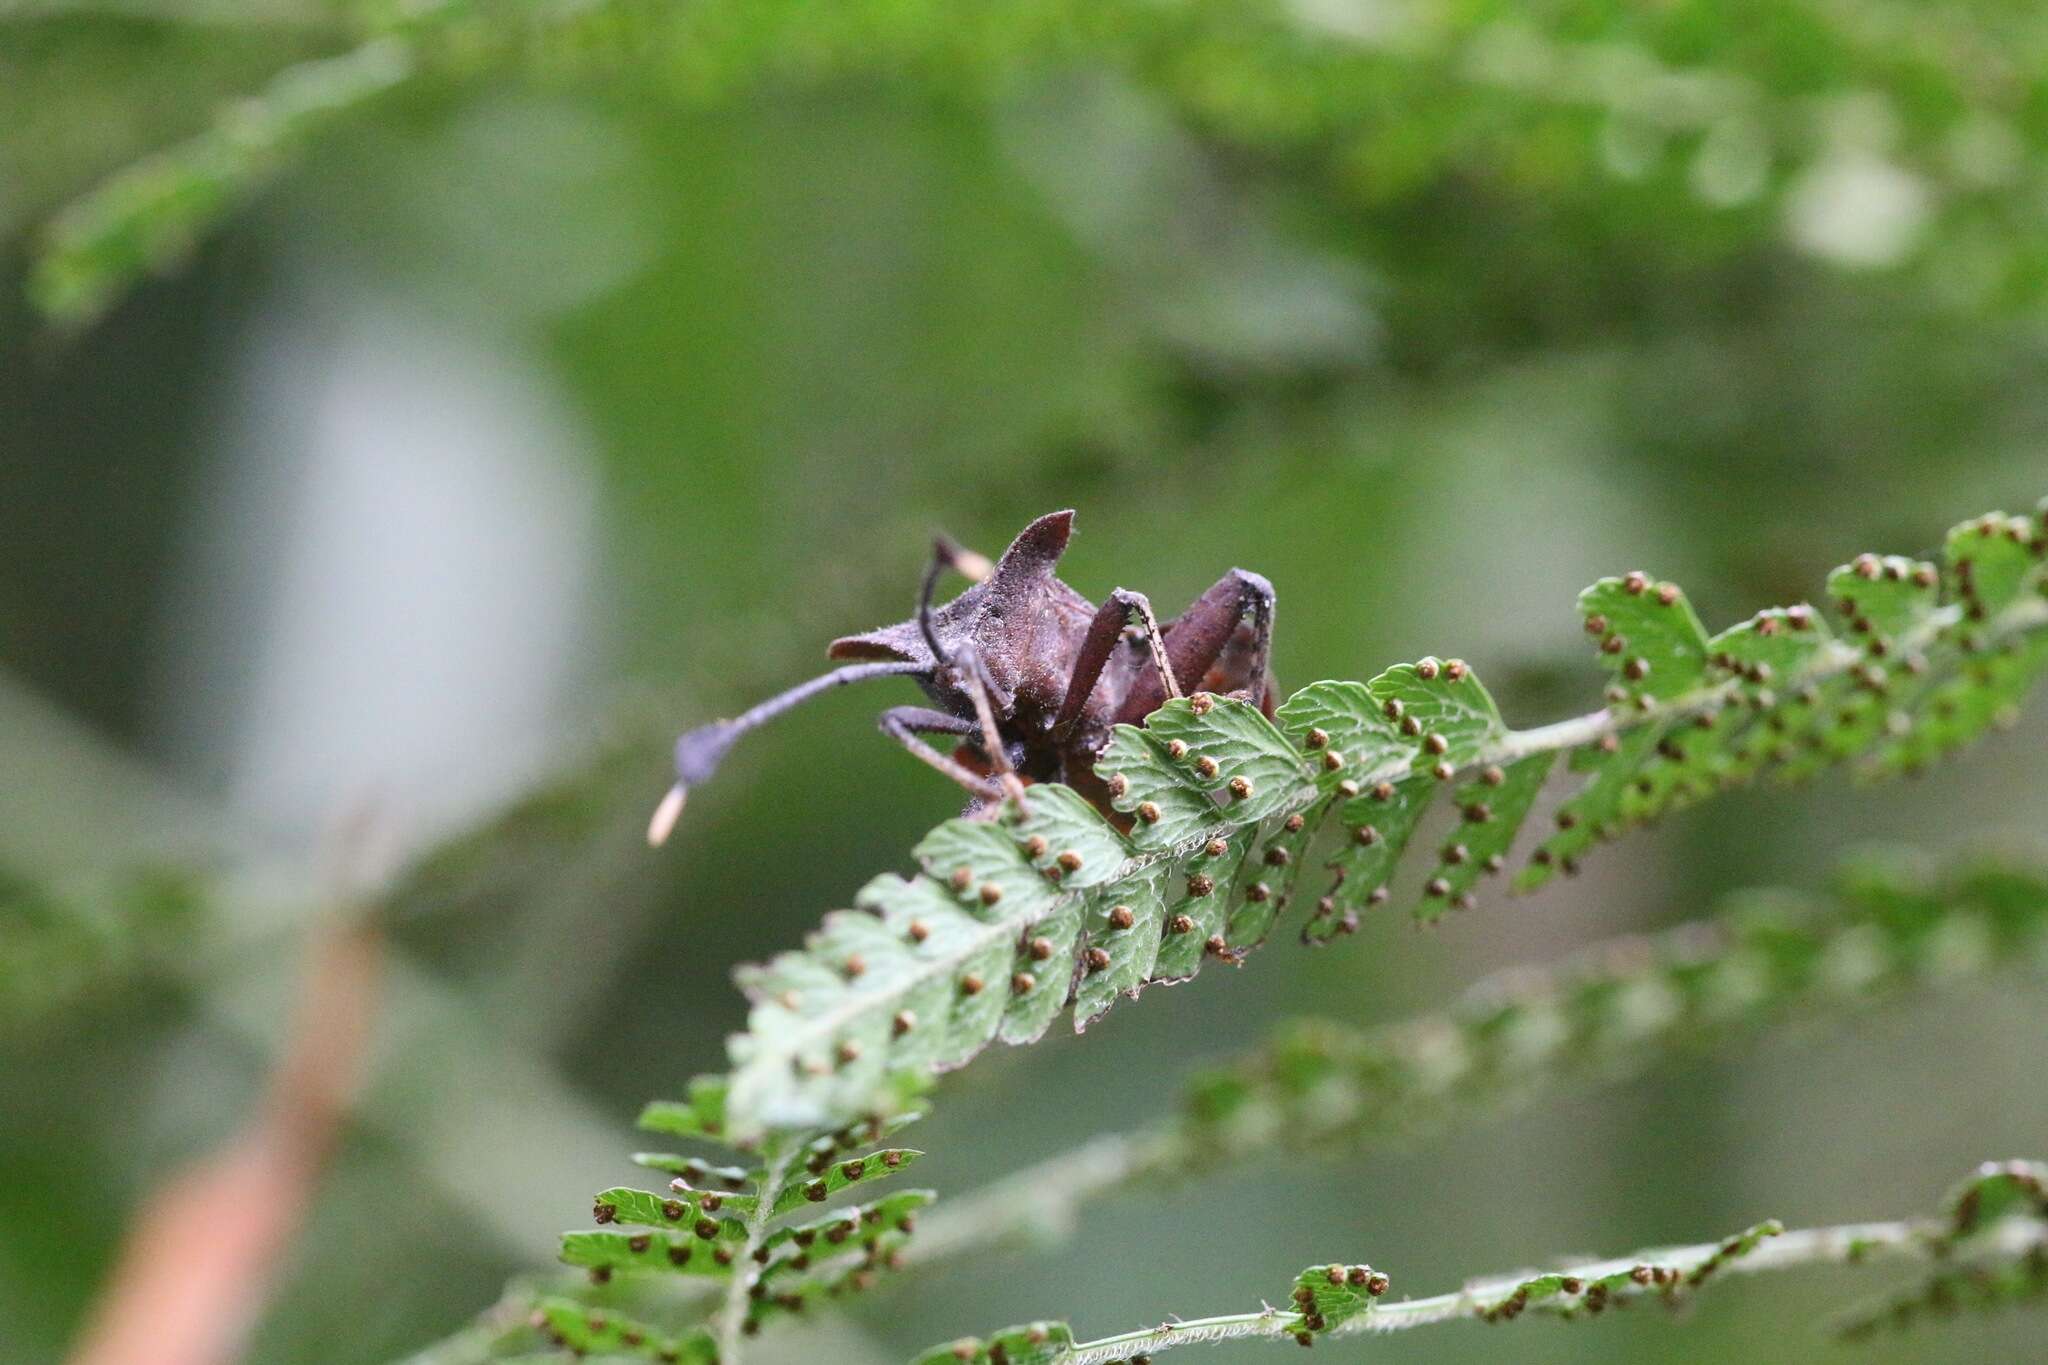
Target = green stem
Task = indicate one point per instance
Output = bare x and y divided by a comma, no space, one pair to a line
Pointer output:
1812,1246
732,1316
1041,1202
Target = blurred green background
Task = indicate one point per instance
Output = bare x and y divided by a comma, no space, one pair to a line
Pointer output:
579,388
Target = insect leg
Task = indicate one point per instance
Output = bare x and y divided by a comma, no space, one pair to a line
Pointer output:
1201,635
974,681
1122,609
905,723
965,664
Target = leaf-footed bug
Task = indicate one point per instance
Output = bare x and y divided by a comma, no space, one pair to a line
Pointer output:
1027,674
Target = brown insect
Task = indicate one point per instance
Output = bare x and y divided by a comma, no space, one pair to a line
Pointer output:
1024,673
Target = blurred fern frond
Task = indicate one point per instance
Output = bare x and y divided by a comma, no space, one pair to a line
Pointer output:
682,1273
1670,103
1993,1236
61,942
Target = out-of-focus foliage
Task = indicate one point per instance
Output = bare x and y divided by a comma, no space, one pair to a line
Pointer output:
1987,1261
58,944
1862,135
1991,1252
1765,960
1430,313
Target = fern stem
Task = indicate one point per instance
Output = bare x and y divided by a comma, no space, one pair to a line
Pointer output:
1989,1246
1841,1245
777,1155
1042,1202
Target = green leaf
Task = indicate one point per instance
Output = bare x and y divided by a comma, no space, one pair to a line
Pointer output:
1066,838
1979,1269
1255,770
585,1331
1198,903
1376,828
1441,707
1199,763
646,1209
1266,882
911,981
1343,730
1591,1288
1883,598
702,1115
697,1173
1816,728
1774,648
1768,660
1985,691
1594,807
1491,809
1042,972
1874,706
843,1227
1996,1190
1328,1296
1992,561
984,866
1168,806
838,1254
1122,943
1649,637
1691,762
825,1179
1985,1285
658,1252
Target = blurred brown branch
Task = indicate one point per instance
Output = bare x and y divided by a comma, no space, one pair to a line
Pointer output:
205,1249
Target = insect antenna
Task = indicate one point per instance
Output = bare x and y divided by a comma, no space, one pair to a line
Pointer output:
946,554
699,752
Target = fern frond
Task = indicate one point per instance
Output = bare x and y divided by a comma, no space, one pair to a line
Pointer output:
1607,1014
152,212
726,1238
2000,1254
1992,1251
1012,919
1263,78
